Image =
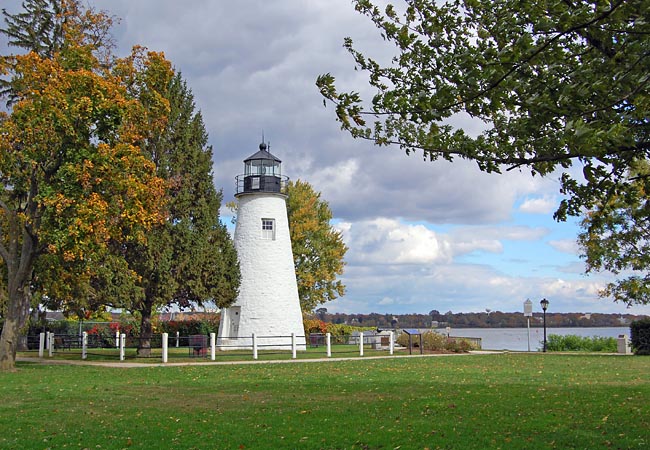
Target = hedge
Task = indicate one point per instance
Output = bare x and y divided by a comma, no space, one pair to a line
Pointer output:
640,336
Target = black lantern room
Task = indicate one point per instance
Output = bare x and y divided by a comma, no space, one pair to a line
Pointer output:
261,173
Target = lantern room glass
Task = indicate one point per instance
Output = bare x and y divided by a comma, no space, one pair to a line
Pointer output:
267,167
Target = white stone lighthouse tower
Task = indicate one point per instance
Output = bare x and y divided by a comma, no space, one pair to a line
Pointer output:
268,303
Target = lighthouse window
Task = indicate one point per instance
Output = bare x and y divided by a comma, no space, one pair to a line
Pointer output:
268,229
255,183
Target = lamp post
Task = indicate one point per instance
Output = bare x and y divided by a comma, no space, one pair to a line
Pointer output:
544,304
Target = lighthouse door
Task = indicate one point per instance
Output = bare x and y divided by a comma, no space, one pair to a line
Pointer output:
234,321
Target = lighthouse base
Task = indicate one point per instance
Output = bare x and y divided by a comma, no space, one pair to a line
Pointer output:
236,333
263,343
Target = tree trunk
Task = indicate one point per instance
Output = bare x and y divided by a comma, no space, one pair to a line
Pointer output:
17,313
19,262
146,330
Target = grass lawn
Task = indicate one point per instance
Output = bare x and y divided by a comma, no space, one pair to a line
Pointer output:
506,401
185,354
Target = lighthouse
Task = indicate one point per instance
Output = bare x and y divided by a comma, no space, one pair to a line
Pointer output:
268,304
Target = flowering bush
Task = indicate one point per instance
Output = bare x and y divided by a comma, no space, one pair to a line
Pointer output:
315,326
189,327
335,329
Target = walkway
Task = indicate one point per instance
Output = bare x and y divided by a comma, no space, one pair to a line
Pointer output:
129,365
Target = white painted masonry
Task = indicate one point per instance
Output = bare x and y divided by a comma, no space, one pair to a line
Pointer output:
268,303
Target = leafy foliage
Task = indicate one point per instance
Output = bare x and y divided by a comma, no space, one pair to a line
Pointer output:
38,28
335,329
616,238
189,327
573,343
436,342
557,86
189,259
73,177
640,336
318,249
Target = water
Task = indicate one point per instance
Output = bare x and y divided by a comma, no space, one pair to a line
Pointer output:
517,338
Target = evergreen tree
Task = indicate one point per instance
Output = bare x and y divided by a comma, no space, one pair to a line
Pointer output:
41,28
190,259
37,28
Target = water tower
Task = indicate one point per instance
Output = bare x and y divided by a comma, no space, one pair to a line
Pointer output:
268,303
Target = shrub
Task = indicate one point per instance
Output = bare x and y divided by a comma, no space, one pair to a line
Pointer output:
190,327
436,342
315,326
640,336
53,326
573,343
335,329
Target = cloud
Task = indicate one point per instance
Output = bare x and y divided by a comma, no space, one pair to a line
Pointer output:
411,225
490,238
387,241
539,205
569,246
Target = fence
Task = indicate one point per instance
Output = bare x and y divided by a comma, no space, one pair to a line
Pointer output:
164,347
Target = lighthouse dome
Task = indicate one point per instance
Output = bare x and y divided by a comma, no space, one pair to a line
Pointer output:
262,173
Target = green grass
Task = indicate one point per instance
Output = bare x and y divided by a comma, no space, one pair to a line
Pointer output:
185,354
459,402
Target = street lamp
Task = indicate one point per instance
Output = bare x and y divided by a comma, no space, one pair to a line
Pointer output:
544,304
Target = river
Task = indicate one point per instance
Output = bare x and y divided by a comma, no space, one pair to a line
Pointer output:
517,338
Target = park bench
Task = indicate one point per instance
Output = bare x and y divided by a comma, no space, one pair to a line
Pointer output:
63,342
198,345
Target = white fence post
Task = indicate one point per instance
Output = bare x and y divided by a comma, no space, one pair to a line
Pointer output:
50,346
178,338
391,344
213,346
165,347
84,345
254,346
361,343
41,344
293,345
328,342
122,344
117,338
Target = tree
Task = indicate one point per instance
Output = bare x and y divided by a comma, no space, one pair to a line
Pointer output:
616,238
318,249
190,259
39,28
555,84
73,176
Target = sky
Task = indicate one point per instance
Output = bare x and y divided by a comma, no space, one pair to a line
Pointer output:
422,235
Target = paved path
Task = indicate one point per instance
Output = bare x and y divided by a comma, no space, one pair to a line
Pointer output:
127,364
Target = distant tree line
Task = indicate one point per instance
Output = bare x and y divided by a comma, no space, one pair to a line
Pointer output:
491,319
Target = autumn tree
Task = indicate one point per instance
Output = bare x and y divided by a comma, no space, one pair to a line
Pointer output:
39,28
73,175
318,249
189,259
558,86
